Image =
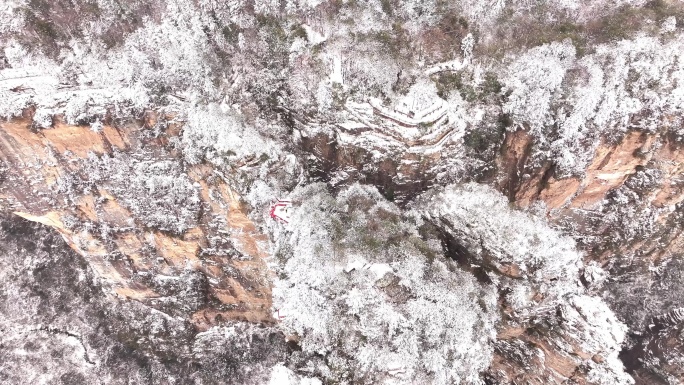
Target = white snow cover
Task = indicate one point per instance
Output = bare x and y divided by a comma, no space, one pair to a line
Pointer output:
549,265
482,214
216,132
631,83
533,78
35,80
344,296
348,293
281,375
9,21
590,321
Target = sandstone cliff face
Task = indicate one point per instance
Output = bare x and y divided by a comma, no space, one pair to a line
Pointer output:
625,212
201,259
642,171
58,315
612,164
399,171
190,249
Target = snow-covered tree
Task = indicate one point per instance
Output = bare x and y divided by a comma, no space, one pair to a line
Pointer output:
360,288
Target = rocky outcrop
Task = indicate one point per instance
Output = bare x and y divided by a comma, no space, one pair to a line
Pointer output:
625,212
563,344
398,174
612,164
640,172
83,184
59,325
176,237
552,331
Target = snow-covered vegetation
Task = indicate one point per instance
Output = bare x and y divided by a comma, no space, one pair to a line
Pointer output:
479,219
566,92
171,199
389,300
332,102
216,134
568,103
158,193
383,302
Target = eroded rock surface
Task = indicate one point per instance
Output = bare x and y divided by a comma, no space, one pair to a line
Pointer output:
61,324
172,236
153,137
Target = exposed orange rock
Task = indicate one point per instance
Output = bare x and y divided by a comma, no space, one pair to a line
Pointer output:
138,294
115,137
111,211
130,245
79,140
528,189
515,151
510,270
86,206
223,198
612,164
206,318
240,288
561,364
611,167
21,148
510,333
49,219
559,192
177,252
527,186
18,136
